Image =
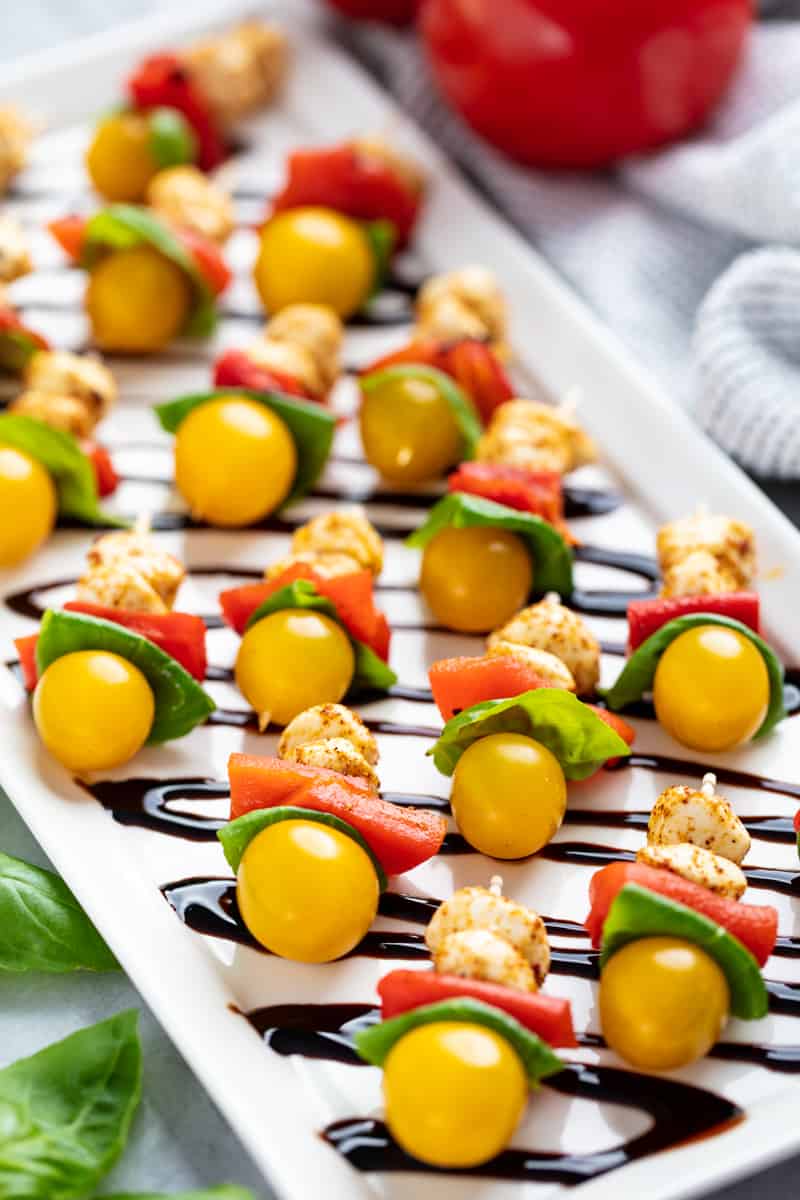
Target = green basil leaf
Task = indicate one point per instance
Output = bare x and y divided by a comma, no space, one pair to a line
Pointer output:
42,926
638,674
560,721
228,1191
237,835
636,912
180,702
66,1111
17,347
311,426
370,670
62,457
538,1059
121,226
552,557
382,238
459,402
172,139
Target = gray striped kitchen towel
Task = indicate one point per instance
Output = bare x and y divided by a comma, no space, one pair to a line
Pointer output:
692,254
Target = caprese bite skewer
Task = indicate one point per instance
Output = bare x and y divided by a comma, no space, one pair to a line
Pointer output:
132,582
504,753
240,454
460,1046
148,281
679,951
715,683
297,353
312,847
316,607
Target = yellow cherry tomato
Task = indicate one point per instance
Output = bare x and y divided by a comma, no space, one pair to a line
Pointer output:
314,256
28,505
475,579
454,1093
119,159
663,1003
408,430
93,710
235,461
306,891
292,660
711,688
137,300
509,795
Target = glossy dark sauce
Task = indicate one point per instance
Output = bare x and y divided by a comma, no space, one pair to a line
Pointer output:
725,775
146,803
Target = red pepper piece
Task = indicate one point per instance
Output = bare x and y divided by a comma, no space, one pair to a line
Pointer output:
69,233
356,184
615,722
208,259
477,369
234,368
755,925
400,838
105,474
550,1017
181,635
647,616
162,82
17,342
458,683
352,596
537,492
26,649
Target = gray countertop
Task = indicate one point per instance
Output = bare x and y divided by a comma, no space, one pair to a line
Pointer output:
36,25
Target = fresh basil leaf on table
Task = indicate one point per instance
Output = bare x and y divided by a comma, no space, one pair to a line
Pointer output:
65,1112
42,926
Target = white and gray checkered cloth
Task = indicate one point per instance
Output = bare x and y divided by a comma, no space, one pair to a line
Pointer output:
692,255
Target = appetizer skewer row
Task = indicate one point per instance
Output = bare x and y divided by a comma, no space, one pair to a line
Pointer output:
297,354
462,1045
181,105
715,682
311,846
149,281
241,454
316,607
679,951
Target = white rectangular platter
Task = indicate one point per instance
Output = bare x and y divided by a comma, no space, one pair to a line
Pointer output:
198,985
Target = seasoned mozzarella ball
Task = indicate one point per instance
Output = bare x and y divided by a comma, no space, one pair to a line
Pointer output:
325,721
120,158
28,505
509,795
306,891
551,626
551,670
705,554
317,330
535,437
683,814
480,954
344,531
479,908
82,376
137,300
15,257
239,70
698,865
15,136
711,688
293,660
314,256
93,710
66,413
473,579
119,585
186,197
235,461
454,1093
287,358
336,754
467,303
327,566
162,571
663,1003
